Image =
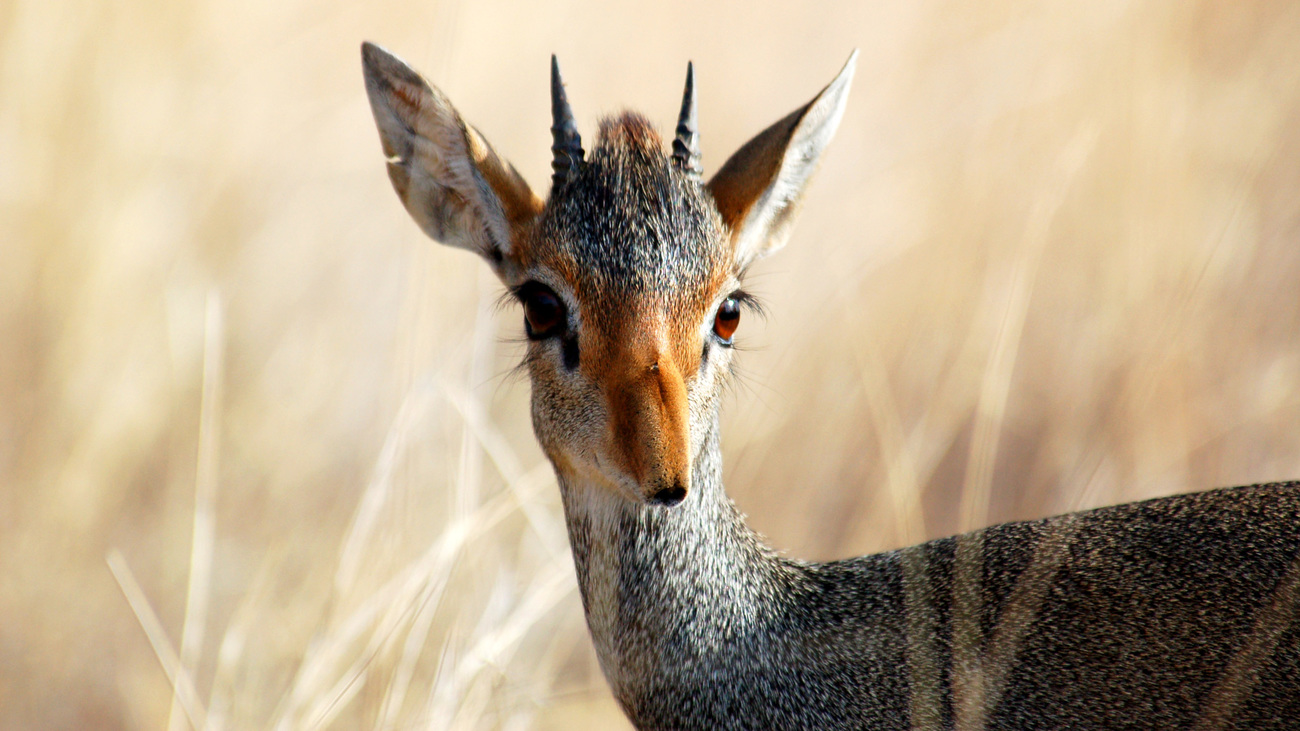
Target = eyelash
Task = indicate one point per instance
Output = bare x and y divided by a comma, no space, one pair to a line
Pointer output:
726,319
546,317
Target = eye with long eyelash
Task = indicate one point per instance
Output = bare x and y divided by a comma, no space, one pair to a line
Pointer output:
727,317
544,312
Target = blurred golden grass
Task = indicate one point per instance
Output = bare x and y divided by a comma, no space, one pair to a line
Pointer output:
1051,263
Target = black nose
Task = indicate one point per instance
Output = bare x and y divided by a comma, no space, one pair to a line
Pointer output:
669,495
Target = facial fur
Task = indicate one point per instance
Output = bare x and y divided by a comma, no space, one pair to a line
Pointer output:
640,257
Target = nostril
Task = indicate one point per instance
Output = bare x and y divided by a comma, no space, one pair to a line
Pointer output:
669,495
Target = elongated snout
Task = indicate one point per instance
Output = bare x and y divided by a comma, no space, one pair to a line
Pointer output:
650,429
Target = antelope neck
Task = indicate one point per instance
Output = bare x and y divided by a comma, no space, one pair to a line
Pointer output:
664,587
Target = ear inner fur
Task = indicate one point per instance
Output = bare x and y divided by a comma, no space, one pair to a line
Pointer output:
750,171
759,189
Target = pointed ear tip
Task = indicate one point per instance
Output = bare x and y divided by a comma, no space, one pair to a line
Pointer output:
839,86
378,61
850,65
373,52
372,64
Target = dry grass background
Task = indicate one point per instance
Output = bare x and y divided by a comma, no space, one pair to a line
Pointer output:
255,435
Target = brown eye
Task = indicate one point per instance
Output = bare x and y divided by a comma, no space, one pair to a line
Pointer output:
727,319
543,312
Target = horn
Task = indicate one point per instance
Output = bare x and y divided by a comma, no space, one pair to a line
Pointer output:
686,146
566,144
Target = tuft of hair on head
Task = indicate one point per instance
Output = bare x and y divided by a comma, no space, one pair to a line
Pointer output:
630,131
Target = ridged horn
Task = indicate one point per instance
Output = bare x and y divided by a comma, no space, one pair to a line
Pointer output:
566,143
686,145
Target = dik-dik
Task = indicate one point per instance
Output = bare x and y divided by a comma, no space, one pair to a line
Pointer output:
1177,613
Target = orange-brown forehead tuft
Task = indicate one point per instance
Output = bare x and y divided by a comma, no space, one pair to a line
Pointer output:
630,131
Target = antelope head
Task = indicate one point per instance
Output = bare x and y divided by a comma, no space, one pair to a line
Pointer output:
629,273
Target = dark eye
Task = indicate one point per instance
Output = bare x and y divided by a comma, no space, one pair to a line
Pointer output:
543,311
727,319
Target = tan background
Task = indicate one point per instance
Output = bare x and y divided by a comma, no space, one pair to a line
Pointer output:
1051,262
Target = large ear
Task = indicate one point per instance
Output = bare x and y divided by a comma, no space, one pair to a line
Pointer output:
759,188
449,178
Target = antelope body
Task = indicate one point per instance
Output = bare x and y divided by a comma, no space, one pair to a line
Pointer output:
1178,613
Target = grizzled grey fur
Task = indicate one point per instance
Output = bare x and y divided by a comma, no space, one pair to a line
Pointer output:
1175,613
